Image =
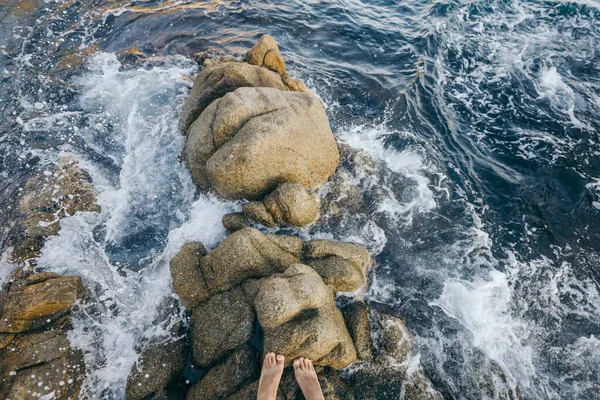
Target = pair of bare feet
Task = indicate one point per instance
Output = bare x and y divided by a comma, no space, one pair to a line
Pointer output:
306,376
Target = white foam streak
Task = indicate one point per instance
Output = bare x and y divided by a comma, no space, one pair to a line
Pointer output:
133,120
407,163
482,306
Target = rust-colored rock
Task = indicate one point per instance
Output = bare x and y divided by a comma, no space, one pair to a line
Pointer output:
39,303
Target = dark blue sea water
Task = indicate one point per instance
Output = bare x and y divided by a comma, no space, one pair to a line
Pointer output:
484,215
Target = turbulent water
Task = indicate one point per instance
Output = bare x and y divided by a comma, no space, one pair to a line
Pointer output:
485,220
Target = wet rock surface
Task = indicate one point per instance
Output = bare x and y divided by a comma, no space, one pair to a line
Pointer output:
35,354
241,367
55,193
159,366
219,325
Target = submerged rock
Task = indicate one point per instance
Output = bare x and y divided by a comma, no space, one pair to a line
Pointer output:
298,314
47,198
218,79
188,281
245,254
253,139
225,379
159,366
219,325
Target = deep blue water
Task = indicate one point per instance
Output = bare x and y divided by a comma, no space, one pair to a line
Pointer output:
485,115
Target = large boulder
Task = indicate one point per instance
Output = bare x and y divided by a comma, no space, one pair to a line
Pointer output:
219,325
225,379
34,305
342,265
216,80
188,282
244,254
265,53
159,366
298,314
251,140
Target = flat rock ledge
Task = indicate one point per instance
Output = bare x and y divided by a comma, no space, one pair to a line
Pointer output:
36,358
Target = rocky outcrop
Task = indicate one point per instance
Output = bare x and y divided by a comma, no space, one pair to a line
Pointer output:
357,319
219,325
35,354
251,140
159,366
58,192
256,134
289,204
342,265
265,53
245,254
188,281
218,79
241,367
298,314
233,222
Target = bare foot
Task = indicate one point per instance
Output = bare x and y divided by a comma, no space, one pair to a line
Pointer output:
270,376
307,379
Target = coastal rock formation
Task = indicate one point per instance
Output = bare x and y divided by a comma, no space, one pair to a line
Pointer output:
35,354
241,367
300,318
265,53
219,325
289,204
159,366
342,265
245,254
251,140
256,134
58,192
218,79
188,281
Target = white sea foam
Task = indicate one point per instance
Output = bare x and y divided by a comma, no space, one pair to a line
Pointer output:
5,268
407,162
133,120
482,306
